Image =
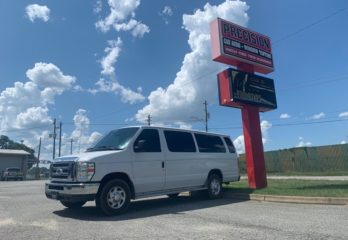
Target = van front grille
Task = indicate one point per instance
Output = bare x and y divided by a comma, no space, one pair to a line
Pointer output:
62,170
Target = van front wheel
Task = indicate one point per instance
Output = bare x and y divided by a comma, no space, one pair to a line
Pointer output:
114,197
214,186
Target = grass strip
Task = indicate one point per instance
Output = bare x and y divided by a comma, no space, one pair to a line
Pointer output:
313,173
307,188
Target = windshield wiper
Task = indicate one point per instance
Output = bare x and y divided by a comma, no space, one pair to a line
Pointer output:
102,148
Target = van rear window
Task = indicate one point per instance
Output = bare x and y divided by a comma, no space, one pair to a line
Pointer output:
179,141
230,146
209,143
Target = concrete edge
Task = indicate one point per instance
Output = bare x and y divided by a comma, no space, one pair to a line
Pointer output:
287,199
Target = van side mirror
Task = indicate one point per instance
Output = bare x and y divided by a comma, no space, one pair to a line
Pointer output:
140,146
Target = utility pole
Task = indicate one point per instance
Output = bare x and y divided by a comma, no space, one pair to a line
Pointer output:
54,138
206,115
37,172
71,141
60,137
149,120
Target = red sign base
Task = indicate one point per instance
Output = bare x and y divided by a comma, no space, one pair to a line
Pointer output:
253,147
255,160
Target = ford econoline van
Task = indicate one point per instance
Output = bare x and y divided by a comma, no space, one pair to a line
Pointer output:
136,162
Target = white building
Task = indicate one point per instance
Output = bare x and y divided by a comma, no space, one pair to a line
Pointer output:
14,158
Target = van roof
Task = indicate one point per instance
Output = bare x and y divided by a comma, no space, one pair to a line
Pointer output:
178,129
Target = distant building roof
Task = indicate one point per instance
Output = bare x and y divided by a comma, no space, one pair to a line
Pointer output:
13,152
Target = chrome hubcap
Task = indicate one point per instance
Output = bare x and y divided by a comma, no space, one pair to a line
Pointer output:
215,187
116,197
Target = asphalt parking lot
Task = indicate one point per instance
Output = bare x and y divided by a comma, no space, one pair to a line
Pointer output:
25,213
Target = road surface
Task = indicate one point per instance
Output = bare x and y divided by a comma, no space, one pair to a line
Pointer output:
25,213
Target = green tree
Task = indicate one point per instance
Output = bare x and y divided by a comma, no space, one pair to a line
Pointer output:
7,143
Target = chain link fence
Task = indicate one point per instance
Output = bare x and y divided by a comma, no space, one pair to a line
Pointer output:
332,158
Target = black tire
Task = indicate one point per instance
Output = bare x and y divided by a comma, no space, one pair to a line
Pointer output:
214,186
73,205
173,195
114,197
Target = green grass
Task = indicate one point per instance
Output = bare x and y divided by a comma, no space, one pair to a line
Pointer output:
295,188
323,173
313,173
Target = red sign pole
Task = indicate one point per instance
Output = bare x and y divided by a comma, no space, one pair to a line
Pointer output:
255,160
249,51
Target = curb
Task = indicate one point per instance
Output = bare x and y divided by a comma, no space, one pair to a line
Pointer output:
287,199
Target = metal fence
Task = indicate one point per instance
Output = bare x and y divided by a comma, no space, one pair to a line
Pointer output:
332,158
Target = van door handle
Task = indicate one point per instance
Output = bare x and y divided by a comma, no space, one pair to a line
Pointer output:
162,164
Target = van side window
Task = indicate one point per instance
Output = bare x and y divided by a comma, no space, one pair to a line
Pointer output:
147,141
179,141
230,146
209,143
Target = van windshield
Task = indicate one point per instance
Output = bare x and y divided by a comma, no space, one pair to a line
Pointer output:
114,140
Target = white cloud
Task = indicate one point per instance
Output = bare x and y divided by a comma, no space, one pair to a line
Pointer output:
182,99
24,107
122,18
137,29
166,13
239,141
303,143
35,11
239,144
81,135
113,52
343,115
265,126
98,6
167,10
127,95
318,116
33,117
108,70
285,116
343,142
48,75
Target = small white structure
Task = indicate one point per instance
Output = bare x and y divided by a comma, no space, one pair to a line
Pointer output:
14,158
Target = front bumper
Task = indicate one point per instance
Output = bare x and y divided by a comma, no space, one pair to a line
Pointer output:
71,191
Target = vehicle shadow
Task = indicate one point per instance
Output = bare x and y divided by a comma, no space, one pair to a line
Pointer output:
144,208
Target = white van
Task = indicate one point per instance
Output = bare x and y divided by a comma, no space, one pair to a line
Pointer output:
136,162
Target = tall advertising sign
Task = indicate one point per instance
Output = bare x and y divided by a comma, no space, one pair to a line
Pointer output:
250,52
233,44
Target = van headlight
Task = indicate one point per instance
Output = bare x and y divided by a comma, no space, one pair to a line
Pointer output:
85,171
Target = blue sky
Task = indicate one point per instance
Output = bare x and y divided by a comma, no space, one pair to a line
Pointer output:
99,65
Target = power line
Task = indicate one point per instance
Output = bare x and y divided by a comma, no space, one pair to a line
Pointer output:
314,83
323,19
289,124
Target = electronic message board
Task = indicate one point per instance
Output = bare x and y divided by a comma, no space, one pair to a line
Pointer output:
233,44
238,88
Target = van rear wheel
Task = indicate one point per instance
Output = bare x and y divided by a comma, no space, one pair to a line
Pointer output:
214,186
114,198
